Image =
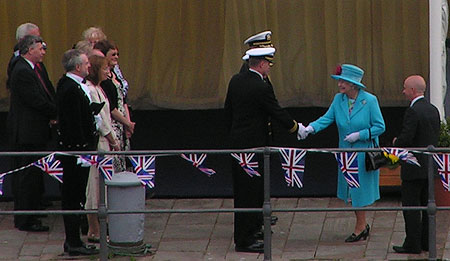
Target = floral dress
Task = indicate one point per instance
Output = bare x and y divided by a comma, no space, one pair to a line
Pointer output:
119,162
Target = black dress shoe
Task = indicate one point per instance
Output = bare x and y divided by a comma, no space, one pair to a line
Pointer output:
34,228
83,250
257,247
363,235
273,220
259,235
403,250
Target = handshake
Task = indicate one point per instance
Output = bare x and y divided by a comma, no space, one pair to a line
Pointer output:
303,131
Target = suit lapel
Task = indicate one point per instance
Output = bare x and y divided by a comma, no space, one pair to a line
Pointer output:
38,81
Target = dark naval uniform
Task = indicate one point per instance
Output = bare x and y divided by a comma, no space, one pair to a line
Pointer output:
249,103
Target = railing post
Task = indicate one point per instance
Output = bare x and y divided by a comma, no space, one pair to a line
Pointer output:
102,214
431,210
267,209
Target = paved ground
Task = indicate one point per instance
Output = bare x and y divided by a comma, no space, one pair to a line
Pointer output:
297,236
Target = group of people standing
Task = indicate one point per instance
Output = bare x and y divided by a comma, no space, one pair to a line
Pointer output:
86,111
251,107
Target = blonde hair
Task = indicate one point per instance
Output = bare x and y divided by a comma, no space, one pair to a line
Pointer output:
84,46
94,33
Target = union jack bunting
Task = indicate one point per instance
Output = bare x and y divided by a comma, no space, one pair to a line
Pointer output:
88,160
197,161
105,166
245,160
403,155
293,164
51,165
1,183
443,162
144,167
348,163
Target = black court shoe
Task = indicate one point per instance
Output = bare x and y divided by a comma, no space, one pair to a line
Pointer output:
363,235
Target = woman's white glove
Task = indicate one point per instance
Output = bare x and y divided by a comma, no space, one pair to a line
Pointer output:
352,137
303,131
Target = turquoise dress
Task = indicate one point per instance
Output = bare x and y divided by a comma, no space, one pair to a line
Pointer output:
365,115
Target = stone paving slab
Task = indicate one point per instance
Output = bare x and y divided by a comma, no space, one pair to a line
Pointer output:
183,236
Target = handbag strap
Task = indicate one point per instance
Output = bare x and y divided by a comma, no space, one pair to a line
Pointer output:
373,140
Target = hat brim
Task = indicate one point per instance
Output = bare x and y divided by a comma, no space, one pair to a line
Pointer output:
339,77
245,57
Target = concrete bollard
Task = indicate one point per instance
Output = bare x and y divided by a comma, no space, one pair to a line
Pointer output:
125,192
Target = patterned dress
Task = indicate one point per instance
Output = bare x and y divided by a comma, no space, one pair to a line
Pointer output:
119,128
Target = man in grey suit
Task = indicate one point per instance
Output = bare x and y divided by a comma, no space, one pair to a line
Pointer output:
421,125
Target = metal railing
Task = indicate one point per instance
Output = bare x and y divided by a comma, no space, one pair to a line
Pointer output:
266,209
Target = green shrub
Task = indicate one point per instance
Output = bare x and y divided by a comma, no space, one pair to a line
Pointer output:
444,134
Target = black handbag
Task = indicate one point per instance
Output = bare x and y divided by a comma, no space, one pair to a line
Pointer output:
375,159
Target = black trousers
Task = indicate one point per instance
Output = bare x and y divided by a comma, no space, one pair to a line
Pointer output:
27,185
73,197
248,192
415,193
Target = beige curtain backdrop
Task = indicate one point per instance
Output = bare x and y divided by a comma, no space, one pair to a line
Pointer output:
180,54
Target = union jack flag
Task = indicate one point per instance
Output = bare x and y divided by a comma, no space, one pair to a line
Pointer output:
1,183
293,164
443,162
403,155
51,165
197,161
144,166
348,163
89,160
105,166
245,160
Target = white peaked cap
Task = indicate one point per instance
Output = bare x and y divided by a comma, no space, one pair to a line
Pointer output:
260,37
255,52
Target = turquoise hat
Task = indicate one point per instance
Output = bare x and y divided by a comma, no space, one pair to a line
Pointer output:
349,73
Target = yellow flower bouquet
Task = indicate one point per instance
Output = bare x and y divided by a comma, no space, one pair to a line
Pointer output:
393,161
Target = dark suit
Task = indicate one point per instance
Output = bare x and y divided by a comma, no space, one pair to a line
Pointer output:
77,132
421,125
31,109
248,104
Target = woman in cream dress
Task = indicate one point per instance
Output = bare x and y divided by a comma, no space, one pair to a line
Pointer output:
107,142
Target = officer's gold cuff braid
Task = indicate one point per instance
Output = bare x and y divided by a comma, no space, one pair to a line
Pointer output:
294,129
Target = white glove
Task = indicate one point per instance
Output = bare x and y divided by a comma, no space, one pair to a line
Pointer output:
304,132
301,133
352,137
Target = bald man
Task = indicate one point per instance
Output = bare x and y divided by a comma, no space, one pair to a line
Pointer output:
420,128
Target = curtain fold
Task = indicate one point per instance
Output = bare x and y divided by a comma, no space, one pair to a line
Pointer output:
180,54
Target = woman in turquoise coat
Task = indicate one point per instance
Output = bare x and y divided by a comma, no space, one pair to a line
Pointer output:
359,120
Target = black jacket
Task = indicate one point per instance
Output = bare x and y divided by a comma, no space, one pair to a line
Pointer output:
76,123
420,128
249,103
31,107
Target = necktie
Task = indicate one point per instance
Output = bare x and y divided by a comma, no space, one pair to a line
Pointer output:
37,68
